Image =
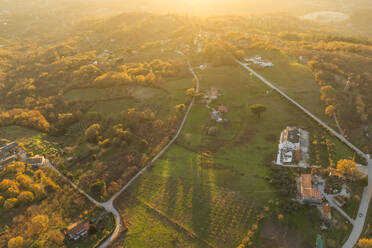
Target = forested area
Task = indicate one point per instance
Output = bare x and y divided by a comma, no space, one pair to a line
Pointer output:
36,205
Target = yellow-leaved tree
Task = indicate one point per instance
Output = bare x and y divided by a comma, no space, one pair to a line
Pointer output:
348,168
365,243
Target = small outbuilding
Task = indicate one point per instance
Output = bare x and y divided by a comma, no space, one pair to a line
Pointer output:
7,161
77,230
8,149
36,161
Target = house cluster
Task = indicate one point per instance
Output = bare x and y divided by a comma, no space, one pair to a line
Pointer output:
8,154
12,152
309,191
289,146
77,230
216,114
258,60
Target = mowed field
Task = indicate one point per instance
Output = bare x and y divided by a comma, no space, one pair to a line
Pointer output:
218,205
293,78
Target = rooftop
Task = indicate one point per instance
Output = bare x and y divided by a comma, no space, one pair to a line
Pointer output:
77,227
306,181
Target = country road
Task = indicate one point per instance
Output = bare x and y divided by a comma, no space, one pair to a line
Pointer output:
358,223
109,204
363,209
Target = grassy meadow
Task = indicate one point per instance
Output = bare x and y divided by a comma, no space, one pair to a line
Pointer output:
220,203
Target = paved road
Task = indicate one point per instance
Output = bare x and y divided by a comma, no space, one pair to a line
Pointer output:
363,208
358,223
339,136
333,204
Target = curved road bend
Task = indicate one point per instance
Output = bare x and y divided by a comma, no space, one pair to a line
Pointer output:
358,223
110,202
109,205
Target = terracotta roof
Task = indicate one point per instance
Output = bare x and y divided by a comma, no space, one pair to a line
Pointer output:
77,228
316,194
306,181
326,209
307,193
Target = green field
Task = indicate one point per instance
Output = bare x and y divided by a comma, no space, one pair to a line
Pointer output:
219,204
294,78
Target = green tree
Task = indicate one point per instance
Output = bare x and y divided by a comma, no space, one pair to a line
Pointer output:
258,109
98,188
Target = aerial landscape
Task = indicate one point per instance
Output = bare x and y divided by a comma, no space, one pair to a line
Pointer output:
186,123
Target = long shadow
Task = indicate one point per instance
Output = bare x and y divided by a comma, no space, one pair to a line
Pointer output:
201,202
171,188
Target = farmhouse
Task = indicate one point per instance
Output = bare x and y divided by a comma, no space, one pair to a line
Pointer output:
77,230
7,161
259,61
36,161
307,192
289,146
9,149
216,115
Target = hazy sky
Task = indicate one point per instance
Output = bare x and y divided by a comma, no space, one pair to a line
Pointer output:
195,6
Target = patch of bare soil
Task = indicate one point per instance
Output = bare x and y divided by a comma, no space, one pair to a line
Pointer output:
278,236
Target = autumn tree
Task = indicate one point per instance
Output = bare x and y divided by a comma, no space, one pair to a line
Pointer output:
39,223
328,94
10,203
190,92
348,168
258,109
330,110
365,243
57,237
16,242
24,180
239,54
92,133
26,197
181,108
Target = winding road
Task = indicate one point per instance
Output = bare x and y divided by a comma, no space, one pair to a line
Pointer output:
109,204
358,223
